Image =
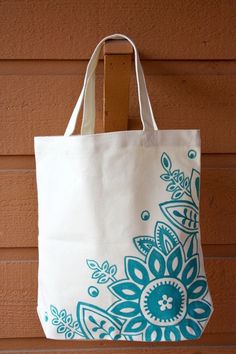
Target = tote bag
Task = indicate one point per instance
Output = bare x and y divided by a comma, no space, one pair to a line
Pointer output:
120,255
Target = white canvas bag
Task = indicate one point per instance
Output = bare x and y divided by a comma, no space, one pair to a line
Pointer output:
120,255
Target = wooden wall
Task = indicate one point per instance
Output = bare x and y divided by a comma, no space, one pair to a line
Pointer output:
188,53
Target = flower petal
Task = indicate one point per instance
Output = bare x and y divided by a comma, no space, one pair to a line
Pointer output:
156,263
197,289
190,329
153,334
166,238
175,261
172,334
125,309
125,289
195,186
134,325
199,310
190,271
144,243
136,270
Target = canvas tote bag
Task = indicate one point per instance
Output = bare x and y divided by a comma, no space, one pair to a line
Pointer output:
120,255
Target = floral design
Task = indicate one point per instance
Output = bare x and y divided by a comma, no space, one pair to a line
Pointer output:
165,302
163,295
65,324
102,273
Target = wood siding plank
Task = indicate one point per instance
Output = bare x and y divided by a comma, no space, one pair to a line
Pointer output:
162,29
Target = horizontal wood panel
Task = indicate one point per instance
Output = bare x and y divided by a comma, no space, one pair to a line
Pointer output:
31,253
208,340
160,28
18,207
19,287
34,105
195,350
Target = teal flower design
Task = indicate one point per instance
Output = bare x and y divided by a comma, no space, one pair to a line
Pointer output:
162,296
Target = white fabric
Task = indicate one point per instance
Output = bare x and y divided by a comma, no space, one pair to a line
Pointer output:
104,200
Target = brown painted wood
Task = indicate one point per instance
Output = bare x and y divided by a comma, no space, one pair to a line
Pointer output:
141,350
19,289
18,207
208,341
31,253
194,88
162,29
117,47
117,73
34,105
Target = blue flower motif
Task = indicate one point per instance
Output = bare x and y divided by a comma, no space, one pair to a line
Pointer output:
162,296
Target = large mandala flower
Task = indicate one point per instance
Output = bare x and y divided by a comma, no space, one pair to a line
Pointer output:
163,296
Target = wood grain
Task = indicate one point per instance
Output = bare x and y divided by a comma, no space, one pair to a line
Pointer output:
33,105
189,58
196,350
19,288
18,207
208,341
162,29
117,73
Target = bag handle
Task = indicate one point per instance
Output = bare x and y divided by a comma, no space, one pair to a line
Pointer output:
88,94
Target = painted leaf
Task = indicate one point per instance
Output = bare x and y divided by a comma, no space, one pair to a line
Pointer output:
156,263
105,266
166,177
199,310
171,187
69,319
190,271
144,243
53,310
96,274
175,174
125,289
186,183
177,194
113,270
124,309
92,264
61,329
190,329
69,334
181,177
195,186
136,270
175,261
166,162
182,214
172,334
197,289
191,246
166,238
87,314
63,314
103,279
134,325
153,334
